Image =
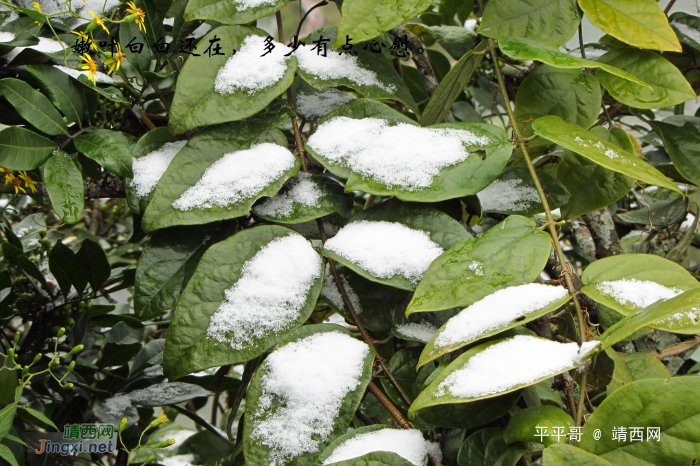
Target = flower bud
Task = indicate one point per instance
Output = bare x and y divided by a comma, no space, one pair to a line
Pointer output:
122,425
68,386
76,349
61,332
161,419
168,443
150,459
54,362
25,371
17,335
91,26
11,354
130,19
37,358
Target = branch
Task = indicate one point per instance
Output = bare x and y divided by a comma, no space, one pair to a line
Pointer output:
584,239
677,349
198,419
602,228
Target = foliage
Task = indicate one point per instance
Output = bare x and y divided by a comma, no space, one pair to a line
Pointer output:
549,161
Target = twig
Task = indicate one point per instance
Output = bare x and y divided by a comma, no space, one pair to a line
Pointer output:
238,398
198,419
580,41
147,121
677,349
162,98
669,6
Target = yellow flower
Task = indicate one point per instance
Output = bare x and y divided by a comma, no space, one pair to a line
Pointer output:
8,174
91,66
16,183
85,38
162,417
140,15
28,181
98,20
116,61
38,8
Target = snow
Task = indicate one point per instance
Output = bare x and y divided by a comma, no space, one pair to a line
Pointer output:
303,191
269,295
178,460
116,405
249,71
507,196
6,36
420,331
385,249
408,444
313,106
45,46
496,311
638,293
165,393
512,362
337,66
331,292
687,31
150,168
201,30
674,321
470,24
237,176
179,435
100,77
247,4
404,155
476,267
303,388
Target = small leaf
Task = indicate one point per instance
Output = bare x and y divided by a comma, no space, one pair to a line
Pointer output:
21,149
687,28
682,142
634,366
7,415
64,265
130,33
16,257
40,416
95,264
64,183
33,106
61,89
103,148
6,454
522,427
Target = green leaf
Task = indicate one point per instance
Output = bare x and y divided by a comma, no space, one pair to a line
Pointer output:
641,23
432,351
469,415
189,348
512,455
33,106
591,186
150,355
141,62
375,458
95,264
403,366
681,305
21,149
599,150
526,49
557,19
512,253
366,19
662,213
288,206
452,85
153,23
473,450
668,85
61,89
456,40
165,266
561,454
682,144
230,12
522,427
7,415
669,405
8,383
441,228
102,146
15,256
40,416
196,103
258,409
191,162
635,366
110,93
572,95
64,183
514,192
64,265
449,8
6,454
687,28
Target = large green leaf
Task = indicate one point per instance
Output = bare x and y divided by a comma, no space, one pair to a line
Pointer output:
295,204
599,150
196,103
366,19
189,348
64,265
668,85
442,229
641,23
376,458
561,454
522,427
669,405
64,183
473,449
230,12
680,306
153,22
634,366
452,85
140,61
191,162
62,90
261,405
33,106
468,415
682,142
571,95
94,262
687,28
557,19
21,149
102,146
591,186
513,252
526,49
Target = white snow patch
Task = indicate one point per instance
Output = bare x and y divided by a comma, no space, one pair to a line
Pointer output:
332,293
674,321
45,45
639,293
470,24
507,196
179,435
269,295
100,77
150,168
167,393
476,267
385,249
409,444
303,191
237,176
246,4
6,36
303,388
178,460
516,361
315,105
116,405
404,155
201,30
248,70
497,310
420,331
687,31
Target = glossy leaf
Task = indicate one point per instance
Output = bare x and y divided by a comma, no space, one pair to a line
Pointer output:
599,150
403,365
641,23
456,40
634,366
64,183
561,454
230,12
103,147
662,213
188,348
682,143
668,85
64,265
33,106
687,28
522,427
62,90
94,262
512,253
557,19
473,450
130,33
21,149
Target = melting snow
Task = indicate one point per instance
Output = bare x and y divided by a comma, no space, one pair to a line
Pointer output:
45,46
117,405
247,4
6,36
150,168
332,293
270,293
687,31
420,331
507,196
303,191
674,321
313,106
638,293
